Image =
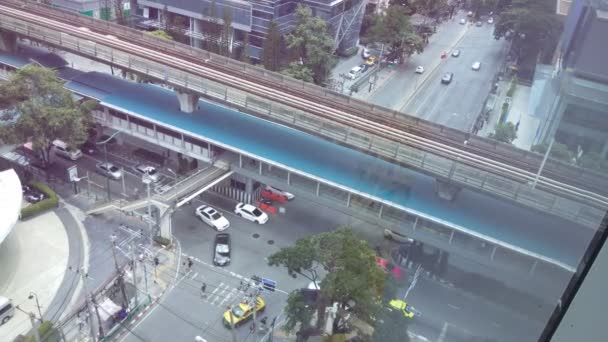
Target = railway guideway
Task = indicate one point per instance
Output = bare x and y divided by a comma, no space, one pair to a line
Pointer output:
450,164
167,202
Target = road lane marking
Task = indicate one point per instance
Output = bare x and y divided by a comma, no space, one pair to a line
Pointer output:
454,307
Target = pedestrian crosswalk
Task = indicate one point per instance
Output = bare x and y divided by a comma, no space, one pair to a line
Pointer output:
219,294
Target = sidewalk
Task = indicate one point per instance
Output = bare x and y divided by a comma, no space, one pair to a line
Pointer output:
518,114
34,259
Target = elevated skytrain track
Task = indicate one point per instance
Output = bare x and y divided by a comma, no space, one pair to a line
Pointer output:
479,153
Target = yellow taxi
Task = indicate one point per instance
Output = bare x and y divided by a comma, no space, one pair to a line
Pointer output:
242,312
403,306
371,60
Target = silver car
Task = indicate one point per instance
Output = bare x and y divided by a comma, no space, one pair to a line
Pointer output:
143,169
109,170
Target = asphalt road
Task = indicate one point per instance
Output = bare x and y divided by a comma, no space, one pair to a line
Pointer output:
401,87
445,311
458,104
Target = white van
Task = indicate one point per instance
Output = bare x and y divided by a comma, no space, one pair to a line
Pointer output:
7,310
354,72
62,150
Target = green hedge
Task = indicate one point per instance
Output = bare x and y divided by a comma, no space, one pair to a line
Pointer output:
47,333
503,112
42,206
162,241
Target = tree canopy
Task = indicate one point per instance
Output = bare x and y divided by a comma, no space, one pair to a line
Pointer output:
394,29
272,48
504,132
558,151
298,71
533,25
312,43
351,273
39,109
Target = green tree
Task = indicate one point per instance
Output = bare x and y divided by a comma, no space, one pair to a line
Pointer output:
351,272
119,12
298,71
480,7
393,28
226,33
592,160
504,132
430,8
161,34
391,326
272,48
39,109
558,151
299,312
313,44
533,24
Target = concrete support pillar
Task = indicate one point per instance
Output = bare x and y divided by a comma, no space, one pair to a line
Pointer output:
8,41
445,190
249,186
196,27
188,103
165,224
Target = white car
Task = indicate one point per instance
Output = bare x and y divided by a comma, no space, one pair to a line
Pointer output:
151,171
251,213
491,20
109,170
419,69
476,66
278,191
212,217
463,21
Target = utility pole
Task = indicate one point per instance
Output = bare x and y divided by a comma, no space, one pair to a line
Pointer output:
34,321
542,164
146,180
134,263
232,332
101,333
141,259
88,304
121,283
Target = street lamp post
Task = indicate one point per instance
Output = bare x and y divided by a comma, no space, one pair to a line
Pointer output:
147,180
35,296
105,154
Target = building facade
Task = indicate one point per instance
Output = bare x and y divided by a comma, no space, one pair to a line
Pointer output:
344,18
99,9
575,96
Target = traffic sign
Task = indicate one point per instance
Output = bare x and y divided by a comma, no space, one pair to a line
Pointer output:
269,284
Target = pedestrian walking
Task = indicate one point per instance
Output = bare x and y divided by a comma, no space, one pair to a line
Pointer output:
190,263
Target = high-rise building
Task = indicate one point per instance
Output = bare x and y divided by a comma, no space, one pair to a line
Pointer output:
344,18
575,89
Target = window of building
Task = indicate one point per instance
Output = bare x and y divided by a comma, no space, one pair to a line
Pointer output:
262,14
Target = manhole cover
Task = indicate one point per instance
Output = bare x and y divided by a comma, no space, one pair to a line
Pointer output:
256,235
271,242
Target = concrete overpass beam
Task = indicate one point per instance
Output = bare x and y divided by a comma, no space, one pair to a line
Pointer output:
8,41
446,190
188,102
